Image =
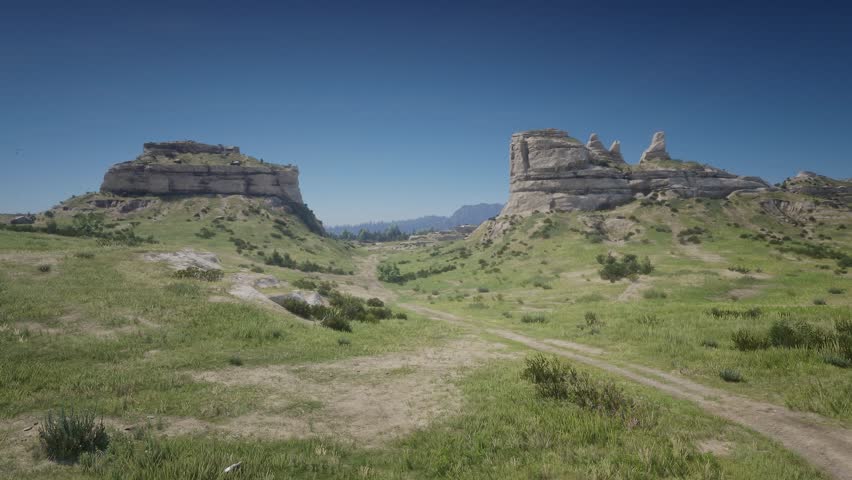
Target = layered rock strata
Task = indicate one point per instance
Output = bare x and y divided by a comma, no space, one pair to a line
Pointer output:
549,170
148,176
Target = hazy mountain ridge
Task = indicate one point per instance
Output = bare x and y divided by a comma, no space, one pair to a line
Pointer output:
466,214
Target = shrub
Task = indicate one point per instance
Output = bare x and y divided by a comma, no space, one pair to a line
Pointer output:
85,255
482,289
205,233
835,291
739,269
533,318
747,340
653,294
44,268
819,301
344,342
709,343
400,316
212,275
375,302
799,334
559,380
335,320
296,307
305,283
591,319
256,269
614,269
235,360
648,319
837,361
64,436
731,375
751,313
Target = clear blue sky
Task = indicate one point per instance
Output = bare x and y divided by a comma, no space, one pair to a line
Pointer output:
396,109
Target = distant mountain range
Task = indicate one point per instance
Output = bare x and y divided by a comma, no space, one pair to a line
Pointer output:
466,215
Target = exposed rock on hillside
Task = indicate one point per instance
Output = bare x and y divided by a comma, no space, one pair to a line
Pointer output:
550,170
191,168
810,183
657,149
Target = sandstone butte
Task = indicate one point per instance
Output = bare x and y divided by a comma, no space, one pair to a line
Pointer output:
192,168
551,171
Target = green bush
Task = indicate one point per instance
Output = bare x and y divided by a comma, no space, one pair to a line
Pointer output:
335,320
85,255
648,319
751,313
731,375
614,269
819,301
837,361
212,275
375,302
400,316
654,294
533,318
64,436
558,380
747,340
296,307
836,291
235,360
799,334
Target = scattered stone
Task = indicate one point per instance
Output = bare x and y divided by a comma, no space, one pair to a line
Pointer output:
186,258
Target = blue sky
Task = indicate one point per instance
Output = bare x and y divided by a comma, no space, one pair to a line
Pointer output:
398,109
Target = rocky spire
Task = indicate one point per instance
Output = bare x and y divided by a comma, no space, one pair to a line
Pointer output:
615,151
594,143
657,150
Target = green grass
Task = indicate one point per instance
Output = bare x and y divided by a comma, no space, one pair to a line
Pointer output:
120,336
505,430
695,279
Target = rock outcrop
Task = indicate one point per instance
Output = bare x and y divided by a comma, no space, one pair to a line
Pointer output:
815,185
657,149
191,168
550,170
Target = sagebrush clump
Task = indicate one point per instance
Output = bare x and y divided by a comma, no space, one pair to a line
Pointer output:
556,379
65,435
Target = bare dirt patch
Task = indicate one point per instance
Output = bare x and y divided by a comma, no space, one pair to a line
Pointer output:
370,399
719,448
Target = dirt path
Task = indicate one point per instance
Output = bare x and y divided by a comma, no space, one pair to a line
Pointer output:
819,442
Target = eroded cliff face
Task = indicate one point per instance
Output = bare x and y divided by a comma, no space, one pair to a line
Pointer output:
191,168
549,170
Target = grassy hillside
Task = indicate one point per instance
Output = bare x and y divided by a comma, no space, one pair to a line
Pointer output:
190,378
718,266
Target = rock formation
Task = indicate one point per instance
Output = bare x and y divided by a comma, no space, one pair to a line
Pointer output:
602,156
549,170
191,168
657,149
815,185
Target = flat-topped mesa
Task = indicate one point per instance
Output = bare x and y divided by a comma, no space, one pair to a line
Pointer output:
550,171
175,148
192,168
